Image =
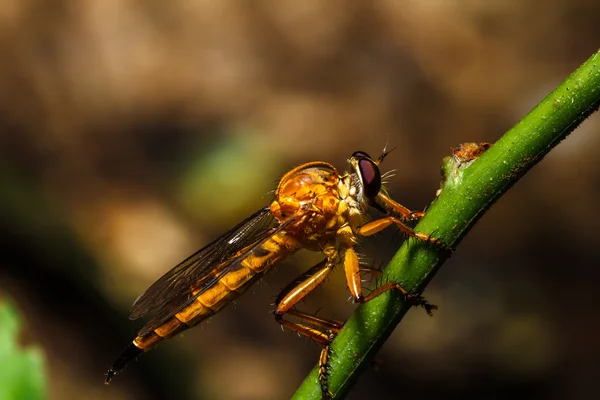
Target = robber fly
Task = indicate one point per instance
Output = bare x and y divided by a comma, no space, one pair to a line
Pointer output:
315,208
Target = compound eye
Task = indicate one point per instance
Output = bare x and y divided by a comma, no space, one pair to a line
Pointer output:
370,177
360,154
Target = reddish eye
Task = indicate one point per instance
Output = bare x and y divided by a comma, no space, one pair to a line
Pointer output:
370,176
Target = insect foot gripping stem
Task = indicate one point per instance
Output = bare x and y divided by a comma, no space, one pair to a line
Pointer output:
435,241
324,367
352,271
375,226
414,299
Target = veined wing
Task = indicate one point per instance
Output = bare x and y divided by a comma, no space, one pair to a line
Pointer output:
193,269
173,291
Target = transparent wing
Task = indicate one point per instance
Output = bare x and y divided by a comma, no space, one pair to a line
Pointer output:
199,269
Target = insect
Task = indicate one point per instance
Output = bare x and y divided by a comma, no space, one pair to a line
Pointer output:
314,208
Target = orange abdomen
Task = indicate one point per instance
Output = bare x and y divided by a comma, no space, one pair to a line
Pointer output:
226,289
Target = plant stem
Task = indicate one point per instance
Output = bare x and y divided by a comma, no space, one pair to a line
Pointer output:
467,192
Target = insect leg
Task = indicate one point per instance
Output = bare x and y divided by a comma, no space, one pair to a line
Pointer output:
295,292
324,367
373,272
373,227
326,324
332,329
399,208
352,272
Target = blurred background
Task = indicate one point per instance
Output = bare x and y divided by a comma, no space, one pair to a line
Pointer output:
133,132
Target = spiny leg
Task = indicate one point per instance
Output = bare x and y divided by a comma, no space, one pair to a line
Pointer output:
352,271
295,292
372,272
376,226
399,208
373,227
353,279
327,324
405,214
298,290
332,328
415,300
324,367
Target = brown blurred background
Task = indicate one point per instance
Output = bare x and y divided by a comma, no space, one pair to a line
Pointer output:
133,132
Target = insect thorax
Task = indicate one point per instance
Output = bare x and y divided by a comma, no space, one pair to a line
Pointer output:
320,201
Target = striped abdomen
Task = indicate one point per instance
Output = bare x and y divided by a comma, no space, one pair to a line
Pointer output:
213,298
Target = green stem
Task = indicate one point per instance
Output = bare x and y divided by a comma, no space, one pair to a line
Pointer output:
467,193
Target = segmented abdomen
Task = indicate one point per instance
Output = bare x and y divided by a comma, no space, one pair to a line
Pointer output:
222,292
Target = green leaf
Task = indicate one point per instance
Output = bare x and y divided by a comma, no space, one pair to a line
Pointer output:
22,375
